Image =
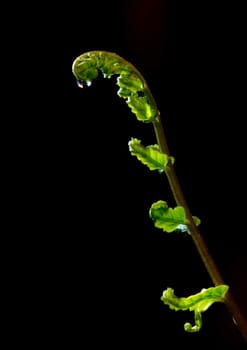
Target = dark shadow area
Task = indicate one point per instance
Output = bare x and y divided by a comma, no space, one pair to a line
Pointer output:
96,265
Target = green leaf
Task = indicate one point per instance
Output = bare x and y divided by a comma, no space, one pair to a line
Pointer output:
132,85
198,303
129,82
151,156
169,219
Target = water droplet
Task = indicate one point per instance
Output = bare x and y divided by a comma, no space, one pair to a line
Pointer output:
80,83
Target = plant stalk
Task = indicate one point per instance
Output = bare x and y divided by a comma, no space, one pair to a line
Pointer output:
196,236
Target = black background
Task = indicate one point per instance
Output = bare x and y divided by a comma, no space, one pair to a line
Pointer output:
93,267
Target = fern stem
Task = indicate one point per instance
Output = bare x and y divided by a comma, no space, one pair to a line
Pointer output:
201,246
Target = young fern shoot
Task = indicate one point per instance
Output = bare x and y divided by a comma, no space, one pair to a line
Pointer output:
134,89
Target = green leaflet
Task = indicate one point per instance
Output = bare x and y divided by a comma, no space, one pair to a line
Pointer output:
151,156
132,85
198,303
169,219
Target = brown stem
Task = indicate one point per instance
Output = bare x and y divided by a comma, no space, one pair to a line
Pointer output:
197,238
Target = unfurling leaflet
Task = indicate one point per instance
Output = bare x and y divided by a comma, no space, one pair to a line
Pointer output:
198,303
151,156
133,86
170,219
